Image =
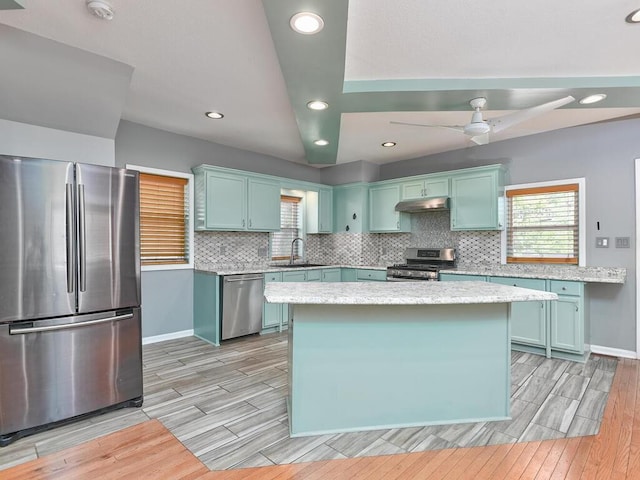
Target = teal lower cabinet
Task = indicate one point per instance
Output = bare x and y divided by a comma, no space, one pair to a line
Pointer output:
206,311
556,329
528,319
314,275
365,275
331,275
272,315
348,275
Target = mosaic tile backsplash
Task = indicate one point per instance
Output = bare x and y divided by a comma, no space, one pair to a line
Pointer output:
427,230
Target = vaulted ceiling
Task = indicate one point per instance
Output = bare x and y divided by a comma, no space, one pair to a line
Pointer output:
164,64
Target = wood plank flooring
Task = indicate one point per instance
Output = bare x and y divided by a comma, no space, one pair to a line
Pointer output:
149,450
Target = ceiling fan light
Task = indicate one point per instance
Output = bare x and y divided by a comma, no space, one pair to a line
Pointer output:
593,98
477,128
101,9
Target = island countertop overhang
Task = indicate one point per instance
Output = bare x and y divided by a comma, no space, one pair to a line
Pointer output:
399,293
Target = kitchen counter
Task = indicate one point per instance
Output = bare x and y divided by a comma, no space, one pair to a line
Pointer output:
236,269
365,356
399,293
545,272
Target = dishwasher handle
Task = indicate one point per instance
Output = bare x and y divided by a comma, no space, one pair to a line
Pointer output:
49,328
242,279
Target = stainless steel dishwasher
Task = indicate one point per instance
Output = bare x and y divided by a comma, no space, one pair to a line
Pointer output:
242,299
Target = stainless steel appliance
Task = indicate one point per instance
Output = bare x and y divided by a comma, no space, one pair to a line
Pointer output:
70,337
242,299
422,264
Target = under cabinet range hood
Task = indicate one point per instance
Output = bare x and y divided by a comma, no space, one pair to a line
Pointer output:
424,205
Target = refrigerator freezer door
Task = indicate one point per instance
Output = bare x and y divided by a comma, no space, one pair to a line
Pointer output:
108,238
56,369
36,236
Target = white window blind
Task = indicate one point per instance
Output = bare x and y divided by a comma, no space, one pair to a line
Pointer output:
164,219
543,224
289,229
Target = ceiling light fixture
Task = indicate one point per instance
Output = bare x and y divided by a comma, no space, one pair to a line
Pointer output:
214,115
101,9
633,17
593,98
389,144
321,143
317,105
306,23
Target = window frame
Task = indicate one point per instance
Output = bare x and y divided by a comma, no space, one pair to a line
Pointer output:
301,223
190,232
582,227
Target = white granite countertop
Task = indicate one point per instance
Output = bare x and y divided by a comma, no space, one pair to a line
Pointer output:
546,272
399,293
261,268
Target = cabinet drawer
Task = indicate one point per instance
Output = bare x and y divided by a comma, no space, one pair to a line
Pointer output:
313,275
532,283
273,277
563,287
374,275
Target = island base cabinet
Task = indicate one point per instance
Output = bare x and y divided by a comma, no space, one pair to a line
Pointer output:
351,368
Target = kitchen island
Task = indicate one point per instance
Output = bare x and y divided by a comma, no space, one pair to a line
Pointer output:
366,356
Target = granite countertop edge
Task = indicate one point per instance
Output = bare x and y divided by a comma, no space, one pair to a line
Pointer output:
570,273
227,270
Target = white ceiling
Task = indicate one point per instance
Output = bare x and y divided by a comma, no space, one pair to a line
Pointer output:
191,57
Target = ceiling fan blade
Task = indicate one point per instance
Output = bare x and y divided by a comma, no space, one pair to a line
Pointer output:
457,128
480,139
511,119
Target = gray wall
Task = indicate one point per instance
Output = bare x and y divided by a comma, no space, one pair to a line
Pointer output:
604,155
167,302
352,172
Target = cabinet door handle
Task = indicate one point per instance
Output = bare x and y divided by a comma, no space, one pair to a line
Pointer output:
398,224
249,222
243,222
576,308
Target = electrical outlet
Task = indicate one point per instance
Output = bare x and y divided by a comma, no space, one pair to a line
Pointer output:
602,242
623,242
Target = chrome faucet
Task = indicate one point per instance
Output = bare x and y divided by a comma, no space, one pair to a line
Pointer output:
292,245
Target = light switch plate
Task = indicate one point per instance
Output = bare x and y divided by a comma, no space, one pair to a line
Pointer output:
623,242
602,242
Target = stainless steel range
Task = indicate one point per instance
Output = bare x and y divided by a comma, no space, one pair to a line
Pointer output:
422,264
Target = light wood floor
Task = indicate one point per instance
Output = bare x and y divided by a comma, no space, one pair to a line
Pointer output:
149,450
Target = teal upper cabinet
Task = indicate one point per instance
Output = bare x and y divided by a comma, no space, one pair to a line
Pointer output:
382,214
228,200
350,208
476,197
319,210
264,205
432,186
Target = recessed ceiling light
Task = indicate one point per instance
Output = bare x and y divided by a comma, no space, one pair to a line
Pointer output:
389,144
317,105
633,17
321,142
101,9
593,98
214,115
306,23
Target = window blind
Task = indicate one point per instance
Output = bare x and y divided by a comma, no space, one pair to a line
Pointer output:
164,218
289,229
543,225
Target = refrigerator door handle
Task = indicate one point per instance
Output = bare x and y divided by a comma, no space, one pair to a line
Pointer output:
82,240
71,260
24,330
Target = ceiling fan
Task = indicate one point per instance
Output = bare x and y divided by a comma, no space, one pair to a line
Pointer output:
478,128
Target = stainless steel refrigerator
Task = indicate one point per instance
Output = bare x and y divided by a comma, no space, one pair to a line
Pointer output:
70,336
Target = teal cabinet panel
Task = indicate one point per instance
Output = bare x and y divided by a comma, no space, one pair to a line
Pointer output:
325,210
272,312
314,275
363,275
226,202
206,307
295,276
350,208
331,275
382,214
475,200
528,319
564,287
453,277
348,274
434,186
263,205
566,324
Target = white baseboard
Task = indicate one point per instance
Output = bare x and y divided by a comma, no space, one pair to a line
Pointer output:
167,336
613,352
